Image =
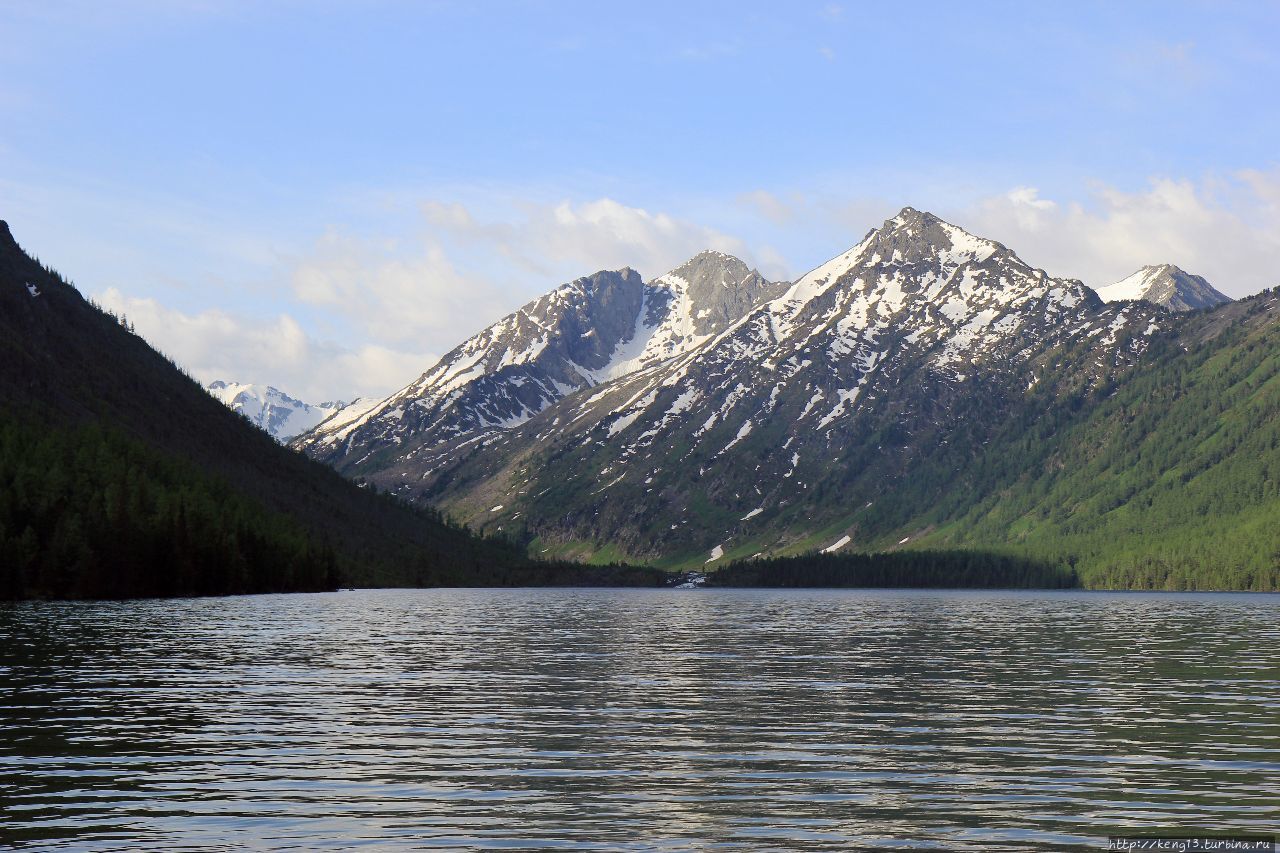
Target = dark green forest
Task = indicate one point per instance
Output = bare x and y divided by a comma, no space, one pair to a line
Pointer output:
1168,478
956,569
89,513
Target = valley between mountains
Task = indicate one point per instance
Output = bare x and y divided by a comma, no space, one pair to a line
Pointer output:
926,389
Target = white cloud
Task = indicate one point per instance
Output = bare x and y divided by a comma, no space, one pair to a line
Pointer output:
568,239
464,271
1265,187
1226,229
394,297
215,344
769,205
1029,210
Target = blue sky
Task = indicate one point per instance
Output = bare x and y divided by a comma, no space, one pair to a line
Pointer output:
325,196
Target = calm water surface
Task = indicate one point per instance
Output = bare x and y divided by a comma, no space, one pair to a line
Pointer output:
638,719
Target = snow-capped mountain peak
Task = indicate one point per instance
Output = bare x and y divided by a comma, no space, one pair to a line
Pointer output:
272,409
1167,285
906,241
592,330
915,236
699,298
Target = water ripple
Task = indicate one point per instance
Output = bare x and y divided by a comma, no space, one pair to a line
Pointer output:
581,719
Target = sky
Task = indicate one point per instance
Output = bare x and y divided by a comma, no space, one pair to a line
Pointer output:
327,196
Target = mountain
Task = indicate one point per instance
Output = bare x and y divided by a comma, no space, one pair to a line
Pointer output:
582,334
1167,479
271,409
780,432
121,476
1167,285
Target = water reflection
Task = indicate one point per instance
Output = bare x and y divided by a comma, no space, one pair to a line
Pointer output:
638,719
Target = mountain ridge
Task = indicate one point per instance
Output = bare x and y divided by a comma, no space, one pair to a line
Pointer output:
696,453
926,389
579,335
367,440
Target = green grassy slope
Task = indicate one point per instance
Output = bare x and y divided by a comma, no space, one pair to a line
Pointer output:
1171,480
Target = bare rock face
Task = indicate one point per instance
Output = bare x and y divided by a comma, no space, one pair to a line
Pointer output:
720,290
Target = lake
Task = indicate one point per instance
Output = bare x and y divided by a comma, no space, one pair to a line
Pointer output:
638,719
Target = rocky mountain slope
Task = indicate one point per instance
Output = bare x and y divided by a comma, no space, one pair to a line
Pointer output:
580,335
778,431
1167,285
271,409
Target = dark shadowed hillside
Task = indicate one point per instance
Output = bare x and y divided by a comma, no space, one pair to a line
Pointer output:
121,476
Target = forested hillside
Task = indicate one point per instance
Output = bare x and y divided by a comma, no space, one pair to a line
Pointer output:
1170,480
87,512
1167,476
121,476
912,569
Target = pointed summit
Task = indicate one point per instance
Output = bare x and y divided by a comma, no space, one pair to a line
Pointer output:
1167,285
909,216
718,289
709,262
913,239
916,235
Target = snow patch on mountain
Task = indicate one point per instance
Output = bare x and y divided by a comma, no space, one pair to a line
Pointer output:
1129,288
837,545
341,422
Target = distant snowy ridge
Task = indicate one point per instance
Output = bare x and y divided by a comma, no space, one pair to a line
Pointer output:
1167,285
273,410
